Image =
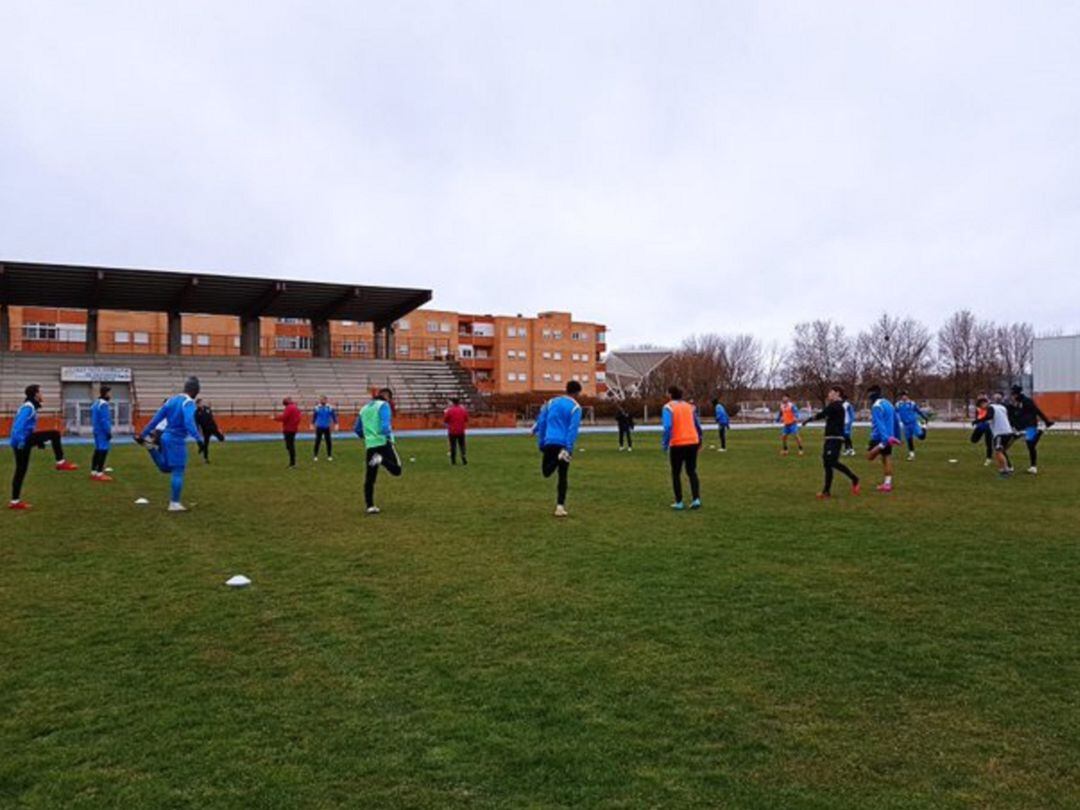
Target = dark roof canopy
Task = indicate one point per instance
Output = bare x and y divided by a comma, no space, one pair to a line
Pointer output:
75,287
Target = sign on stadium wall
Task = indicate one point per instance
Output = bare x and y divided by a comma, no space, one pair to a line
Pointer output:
93,374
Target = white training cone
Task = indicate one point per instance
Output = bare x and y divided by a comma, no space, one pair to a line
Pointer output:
954,461
412,458
141,501
238,581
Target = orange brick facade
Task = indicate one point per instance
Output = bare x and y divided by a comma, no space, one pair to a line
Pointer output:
503,354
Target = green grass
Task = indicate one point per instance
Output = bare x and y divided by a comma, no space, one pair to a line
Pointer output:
466,649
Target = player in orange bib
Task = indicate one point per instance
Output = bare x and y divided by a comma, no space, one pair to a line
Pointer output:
789,418
681,441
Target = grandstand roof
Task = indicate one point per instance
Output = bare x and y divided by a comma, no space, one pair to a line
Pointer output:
635,364
78,287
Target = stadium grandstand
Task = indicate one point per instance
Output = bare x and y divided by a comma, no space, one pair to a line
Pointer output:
628,369
245,386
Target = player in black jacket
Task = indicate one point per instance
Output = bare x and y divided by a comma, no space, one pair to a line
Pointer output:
835,416
1025,415
208,427
626,428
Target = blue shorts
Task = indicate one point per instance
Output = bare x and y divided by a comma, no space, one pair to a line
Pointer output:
789,430
101,441
914,431
1031,434
173,455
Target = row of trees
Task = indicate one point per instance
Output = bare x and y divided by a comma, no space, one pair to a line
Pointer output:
965,356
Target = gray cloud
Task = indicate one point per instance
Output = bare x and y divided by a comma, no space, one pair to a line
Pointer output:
662,167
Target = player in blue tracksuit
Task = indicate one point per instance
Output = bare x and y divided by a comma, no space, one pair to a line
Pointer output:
723,422
25,437
910,415
556,431
171,455
884,434
324,420
849,425
101,419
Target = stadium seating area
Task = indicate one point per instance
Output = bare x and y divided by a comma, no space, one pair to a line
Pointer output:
249,384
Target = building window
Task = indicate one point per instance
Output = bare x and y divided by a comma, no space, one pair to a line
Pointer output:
236,341
185,339
62,333
523,378
546,333
403,350
601,337
599,376
203,340
292,320
122,337
354,347
558,377
546,355
288,343
557,356
140,338
466,352
547,375
403,325
579,336
444,327
556,334
511,377
433,326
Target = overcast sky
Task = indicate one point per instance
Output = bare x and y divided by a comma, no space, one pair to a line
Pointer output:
664,167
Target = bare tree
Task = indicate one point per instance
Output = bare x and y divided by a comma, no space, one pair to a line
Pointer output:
968,354
711,365
774,360
742,369
819,358
1016,344
896,351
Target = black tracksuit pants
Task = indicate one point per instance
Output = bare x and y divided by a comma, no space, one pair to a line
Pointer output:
390,460
22,457
722,430
457,443
290,445
625,432
830,457
684,456
549,464
320,434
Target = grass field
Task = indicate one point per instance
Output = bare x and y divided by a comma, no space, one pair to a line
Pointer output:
466,649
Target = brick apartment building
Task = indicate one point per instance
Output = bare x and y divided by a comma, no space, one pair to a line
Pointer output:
503,354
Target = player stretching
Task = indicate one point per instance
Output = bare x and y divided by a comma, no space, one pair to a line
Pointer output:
24,439
995,417
101,419
1026,415
835,415
723,422
681,441
290,423
789,416
374,426
456,418
910,414
849,425
884,434
982,431
556,432
324,420
170,455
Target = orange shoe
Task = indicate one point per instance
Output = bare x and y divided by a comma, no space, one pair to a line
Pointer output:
19,505
105,479
66,466
823,496
856,489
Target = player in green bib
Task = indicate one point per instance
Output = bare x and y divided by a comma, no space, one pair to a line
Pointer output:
373,425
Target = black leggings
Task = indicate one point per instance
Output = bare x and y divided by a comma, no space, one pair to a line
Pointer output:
97,463
847,442
22,457
830,457
320,434
1032,446
207,434
390,460
722,430
625,432
684,455
549,463
988,440
457,442
290,445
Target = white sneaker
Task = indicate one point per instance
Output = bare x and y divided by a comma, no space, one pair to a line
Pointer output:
621,449
910,456
329,458
988,462
376,460
723,449
176,506
1033,470
373,510
315,460
560,511
564,455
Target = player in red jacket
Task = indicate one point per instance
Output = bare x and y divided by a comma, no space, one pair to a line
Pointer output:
290,423
456,418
